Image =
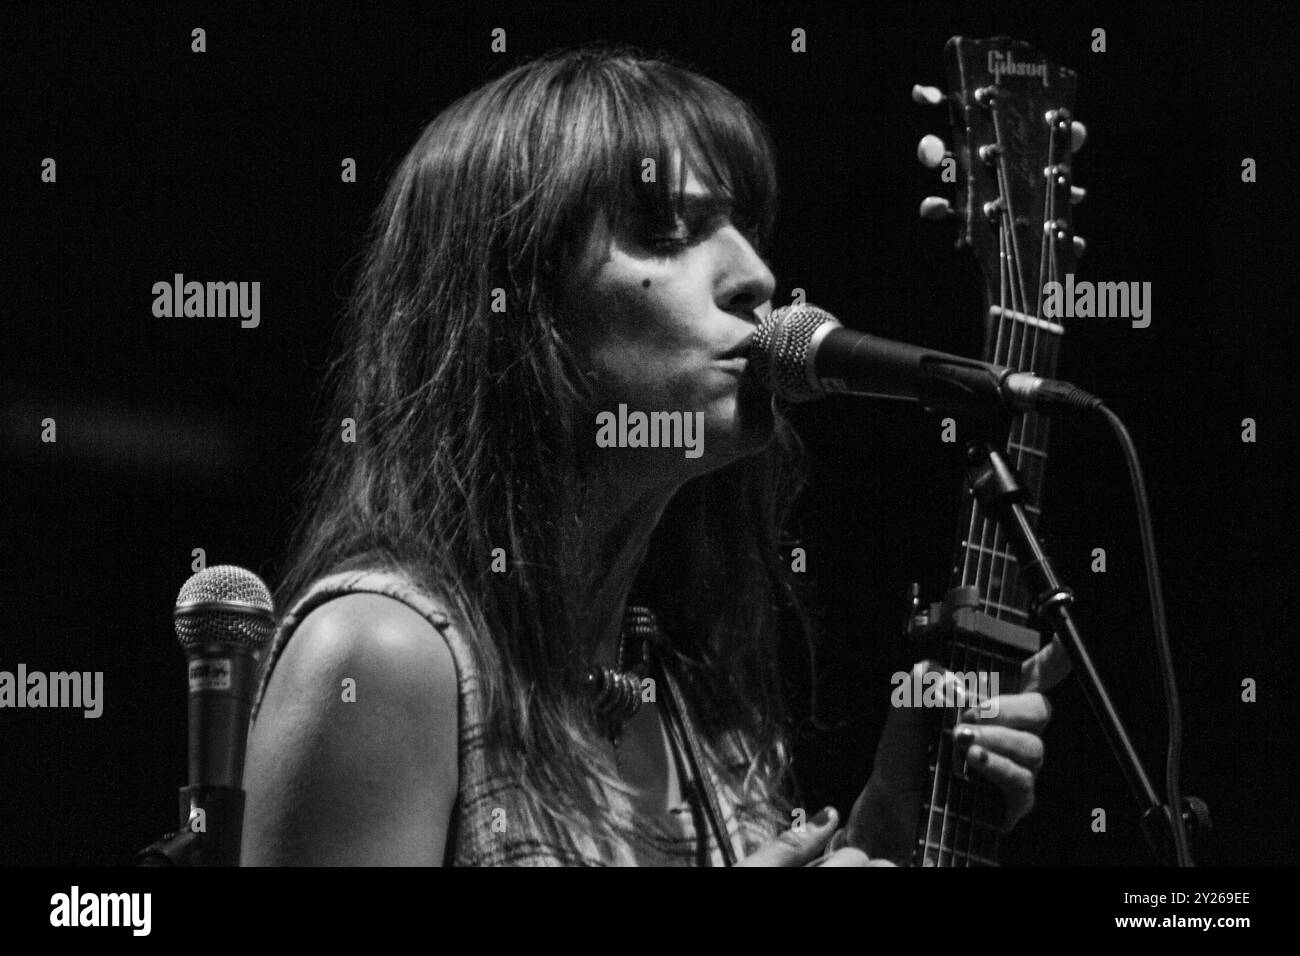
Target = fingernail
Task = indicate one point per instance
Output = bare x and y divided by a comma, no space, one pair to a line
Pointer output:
978,754
965,735
823,816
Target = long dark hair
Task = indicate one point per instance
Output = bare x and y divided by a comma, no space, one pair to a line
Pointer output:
473,427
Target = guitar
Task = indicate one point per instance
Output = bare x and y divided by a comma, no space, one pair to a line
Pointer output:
1013,140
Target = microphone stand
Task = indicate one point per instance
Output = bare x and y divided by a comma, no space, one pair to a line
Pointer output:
1000,493
209,834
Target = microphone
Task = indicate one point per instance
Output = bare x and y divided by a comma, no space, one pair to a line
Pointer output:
801,352
223,619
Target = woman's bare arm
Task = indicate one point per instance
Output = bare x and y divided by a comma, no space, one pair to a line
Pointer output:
371,782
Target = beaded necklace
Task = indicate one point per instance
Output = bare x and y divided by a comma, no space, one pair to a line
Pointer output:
615,695
615,692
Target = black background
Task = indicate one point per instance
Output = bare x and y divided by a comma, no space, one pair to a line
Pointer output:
175,434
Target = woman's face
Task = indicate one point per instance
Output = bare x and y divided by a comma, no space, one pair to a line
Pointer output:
664,320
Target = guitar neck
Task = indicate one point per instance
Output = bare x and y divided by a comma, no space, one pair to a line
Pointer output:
1013,142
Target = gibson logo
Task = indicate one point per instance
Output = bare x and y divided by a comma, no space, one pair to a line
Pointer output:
1001,64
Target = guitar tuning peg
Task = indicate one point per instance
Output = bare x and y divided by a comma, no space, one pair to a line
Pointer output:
1080,247
1078,135
926,95
931,151
935,208
1077,195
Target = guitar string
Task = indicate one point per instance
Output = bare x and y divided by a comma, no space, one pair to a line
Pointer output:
945,751
946,754
1048,265
938,775
984,663
969,792
967,796
970,804
976,554
1016,354
1047,248
1004,286
1009,261
1009,577
1014,359
1008,264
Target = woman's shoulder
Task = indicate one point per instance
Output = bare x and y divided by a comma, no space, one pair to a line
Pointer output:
380,636
379,623
398,584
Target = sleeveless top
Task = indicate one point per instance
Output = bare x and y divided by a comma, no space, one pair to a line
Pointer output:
496,821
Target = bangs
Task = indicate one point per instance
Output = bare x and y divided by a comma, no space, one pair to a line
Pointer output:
616,113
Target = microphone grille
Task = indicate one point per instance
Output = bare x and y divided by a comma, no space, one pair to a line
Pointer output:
224,604
779,350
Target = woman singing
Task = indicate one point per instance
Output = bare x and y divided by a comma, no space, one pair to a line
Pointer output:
516,633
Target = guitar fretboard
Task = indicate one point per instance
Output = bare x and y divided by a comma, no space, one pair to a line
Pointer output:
1027,244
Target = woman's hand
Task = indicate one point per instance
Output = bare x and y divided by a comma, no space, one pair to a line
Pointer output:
1001,742
809,845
